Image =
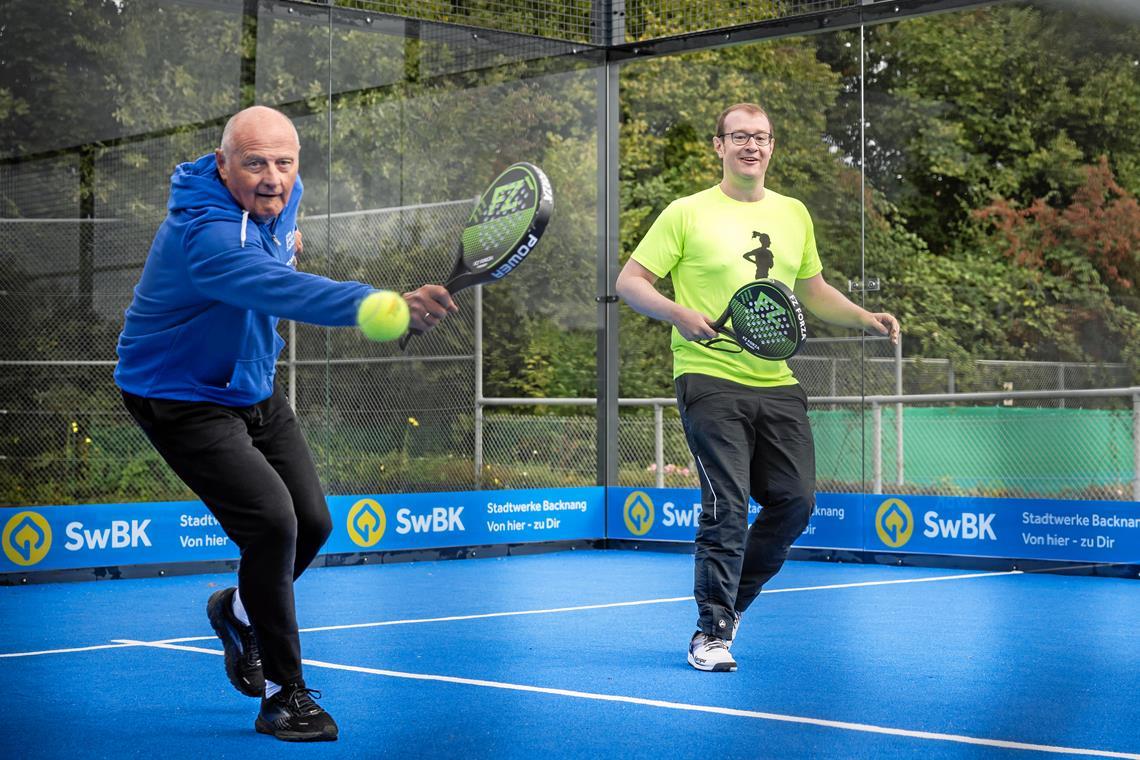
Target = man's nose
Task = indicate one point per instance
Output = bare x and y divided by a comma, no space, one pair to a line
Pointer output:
273,177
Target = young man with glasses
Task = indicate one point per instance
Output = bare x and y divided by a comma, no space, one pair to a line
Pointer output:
745,418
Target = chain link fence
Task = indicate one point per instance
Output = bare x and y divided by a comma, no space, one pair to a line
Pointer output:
587,21
75,225
651,19
384,422
572,20
65,283
949,448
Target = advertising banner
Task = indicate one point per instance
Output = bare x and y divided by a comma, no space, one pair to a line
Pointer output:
105,535
671,514
1046,529
464,518
111,535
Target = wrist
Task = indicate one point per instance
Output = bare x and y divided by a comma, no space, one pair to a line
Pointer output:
676,314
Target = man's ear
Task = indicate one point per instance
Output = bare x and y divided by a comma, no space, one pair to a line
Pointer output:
220,159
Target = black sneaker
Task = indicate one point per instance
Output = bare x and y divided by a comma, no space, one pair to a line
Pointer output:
243,658
291,715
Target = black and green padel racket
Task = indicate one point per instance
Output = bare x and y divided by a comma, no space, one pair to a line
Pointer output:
504,227
766,320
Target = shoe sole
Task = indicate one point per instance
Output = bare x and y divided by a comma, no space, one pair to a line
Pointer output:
720,667
231,657
293,736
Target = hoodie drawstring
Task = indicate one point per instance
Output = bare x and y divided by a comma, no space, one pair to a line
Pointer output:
244,222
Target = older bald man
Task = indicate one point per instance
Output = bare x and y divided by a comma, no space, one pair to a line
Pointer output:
197,359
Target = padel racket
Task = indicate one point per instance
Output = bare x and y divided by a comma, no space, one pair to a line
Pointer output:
767,321
504,227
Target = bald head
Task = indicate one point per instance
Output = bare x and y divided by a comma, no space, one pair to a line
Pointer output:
258,120
259,159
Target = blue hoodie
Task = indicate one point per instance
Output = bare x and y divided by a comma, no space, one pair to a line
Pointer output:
203,322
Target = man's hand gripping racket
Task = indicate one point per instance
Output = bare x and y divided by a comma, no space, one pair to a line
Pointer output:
504,227
766,319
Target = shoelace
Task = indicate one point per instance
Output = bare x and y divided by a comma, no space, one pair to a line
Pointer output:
249,647
712,642
303,702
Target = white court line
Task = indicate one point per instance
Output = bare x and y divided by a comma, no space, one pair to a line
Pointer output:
608,605
837,724
62,651
900,580
453,618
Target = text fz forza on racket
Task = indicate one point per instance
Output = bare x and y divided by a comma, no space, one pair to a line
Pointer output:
766,320
504,227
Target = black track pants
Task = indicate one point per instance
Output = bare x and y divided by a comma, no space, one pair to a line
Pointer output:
746,441
253,470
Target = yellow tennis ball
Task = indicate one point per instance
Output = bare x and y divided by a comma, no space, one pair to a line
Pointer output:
383,315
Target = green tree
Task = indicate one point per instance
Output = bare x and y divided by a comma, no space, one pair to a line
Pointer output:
1005,101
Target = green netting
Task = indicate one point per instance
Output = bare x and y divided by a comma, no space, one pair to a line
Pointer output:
1003,450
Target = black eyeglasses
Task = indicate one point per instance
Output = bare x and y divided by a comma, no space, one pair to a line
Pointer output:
763,139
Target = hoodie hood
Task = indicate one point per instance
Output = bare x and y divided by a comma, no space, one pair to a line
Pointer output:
202,324
197,185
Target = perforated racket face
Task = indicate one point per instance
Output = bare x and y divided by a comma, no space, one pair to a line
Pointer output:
767,320
504,217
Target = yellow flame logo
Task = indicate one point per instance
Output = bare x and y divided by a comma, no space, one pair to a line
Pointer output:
366,523
26,538
638,513
894,522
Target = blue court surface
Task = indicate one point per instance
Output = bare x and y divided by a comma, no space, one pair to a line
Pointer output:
582,654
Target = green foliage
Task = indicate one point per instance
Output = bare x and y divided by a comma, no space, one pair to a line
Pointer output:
650,19
968,116
1005,101
92,465
532,17
1095,239
1076,262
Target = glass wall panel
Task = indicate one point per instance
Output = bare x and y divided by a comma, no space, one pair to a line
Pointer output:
1002,173
101,101
292,67
401,123
79,73
438,113
974,172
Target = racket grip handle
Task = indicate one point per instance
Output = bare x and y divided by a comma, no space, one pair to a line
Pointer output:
404,341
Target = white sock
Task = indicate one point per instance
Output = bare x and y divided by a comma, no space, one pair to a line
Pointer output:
271,688
239,609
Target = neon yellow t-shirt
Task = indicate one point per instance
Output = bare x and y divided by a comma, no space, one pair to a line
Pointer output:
711,245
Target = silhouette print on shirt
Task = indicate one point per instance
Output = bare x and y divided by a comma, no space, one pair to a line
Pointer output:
761,256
